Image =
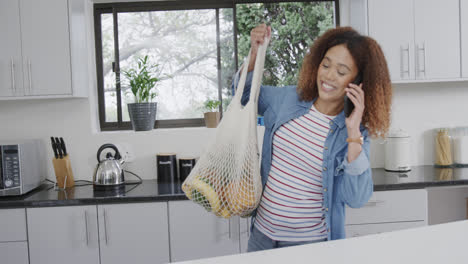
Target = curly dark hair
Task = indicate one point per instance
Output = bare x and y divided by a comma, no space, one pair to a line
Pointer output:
372,66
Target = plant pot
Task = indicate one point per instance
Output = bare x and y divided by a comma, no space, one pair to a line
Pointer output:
212,119
142,115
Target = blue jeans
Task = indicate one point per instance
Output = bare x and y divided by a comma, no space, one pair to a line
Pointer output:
259,241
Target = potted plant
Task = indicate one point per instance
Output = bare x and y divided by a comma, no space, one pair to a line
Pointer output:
212,114
142,82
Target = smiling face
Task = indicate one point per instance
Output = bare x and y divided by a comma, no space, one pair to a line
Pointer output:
335,72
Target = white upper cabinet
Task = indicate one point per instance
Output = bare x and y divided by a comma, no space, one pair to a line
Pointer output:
464,36
11,75
391,25
437,39
420,38
43,51
46,47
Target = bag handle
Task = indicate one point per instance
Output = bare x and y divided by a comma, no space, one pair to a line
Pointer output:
257,74
258,70
241,83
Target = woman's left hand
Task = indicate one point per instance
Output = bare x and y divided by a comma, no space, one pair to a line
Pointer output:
353,122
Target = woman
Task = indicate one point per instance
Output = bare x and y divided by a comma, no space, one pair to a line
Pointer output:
314,159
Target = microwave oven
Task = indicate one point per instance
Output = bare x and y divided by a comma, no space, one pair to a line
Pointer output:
22,167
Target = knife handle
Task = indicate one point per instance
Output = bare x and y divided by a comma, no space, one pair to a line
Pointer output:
62,144
59,148
54,147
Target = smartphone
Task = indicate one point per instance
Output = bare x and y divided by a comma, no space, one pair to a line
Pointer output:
348,104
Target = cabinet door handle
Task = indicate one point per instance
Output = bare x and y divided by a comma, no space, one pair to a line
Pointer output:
247,231
30,76
373,203
424,57
402,65
423,49
12,66
86,227
105,227
229,225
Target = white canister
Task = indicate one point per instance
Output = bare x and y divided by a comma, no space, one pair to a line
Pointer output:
397,151
460,150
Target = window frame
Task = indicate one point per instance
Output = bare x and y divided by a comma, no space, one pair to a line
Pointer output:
124,7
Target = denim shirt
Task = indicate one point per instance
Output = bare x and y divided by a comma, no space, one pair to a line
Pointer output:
343,183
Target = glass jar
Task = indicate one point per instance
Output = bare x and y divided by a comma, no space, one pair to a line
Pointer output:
443,148
460,146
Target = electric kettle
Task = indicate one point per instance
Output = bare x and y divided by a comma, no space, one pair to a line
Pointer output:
109,172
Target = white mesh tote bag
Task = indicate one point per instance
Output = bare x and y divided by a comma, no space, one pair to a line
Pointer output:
226,180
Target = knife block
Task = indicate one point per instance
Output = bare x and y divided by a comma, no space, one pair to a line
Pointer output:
63,172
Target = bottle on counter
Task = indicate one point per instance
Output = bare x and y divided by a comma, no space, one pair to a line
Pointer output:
443,148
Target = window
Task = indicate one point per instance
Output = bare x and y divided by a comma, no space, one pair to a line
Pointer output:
197,47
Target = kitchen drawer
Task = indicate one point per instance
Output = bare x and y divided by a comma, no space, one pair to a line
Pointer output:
368,229
14,252
12,225
390,206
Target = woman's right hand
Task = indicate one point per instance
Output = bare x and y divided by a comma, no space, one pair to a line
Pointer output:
257,37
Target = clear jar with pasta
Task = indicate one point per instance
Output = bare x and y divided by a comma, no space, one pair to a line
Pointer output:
443,148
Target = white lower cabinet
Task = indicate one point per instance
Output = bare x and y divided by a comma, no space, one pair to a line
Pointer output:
63,234
244,228
390,206
13,238
105,234
196,233
388,211
368,229
12,225
396,210
161,232
14,252
447,204
133,233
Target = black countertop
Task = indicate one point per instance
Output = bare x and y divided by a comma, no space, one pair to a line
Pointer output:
419,177
150,191
46,195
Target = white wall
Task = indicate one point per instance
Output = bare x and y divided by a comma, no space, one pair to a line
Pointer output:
417,108
421,108
71,119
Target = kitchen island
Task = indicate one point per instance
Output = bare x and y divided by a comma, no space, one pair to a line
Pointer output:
444,243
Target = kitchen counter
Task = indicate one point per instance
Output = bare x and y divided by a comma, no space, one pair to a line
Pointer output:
419,177
46,195
444,243
149,190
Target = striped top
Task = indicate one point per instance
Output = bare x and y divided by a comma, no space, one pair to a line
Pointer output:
291,206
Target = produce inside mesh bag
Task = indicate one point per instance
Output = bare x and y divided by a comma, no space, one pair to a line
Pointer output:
226,180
